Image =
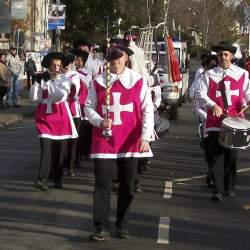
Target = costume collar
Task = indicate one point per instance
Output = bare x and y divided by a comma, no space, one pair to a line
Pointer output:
217,73
128,78
84,71
70,73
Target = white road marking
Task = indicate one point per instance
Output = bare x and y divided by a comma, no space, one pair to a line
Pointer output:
189,179
168,190
164,223
243,170
163,232
204,176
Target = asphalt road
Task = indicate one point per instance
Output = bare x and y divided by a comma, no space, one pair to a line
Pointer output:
171,212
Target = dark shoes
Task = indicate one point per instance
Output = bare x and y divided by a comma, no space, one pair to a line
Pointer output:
209,180
58,184
114,187
122,233
103,235
229,193
147,165
100,235
16,106
210,183
42,185
138,189
71,173
216,197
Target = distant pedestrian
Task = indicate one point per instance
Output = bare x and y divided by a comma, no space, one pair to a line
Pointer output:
247,65
14,64
30,70
4,78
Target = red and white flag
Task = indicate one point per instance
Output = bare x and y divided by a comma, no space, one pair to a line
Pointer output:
172,61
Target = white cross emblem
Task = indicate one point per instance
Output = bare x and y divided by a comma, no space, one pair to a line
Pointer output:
228,92
49,105
117,108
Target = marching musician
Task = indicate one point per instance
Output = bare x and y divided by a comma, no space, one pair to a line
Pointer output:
222,90
129,121
209,61
75,108
85,134
54,122
91,64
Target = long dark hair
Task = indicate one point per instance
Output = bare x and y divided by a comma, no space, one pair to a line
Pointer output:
2,54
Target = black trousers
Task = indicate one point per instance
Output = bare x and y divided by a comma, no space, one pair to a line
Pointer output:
73,148
52,158
222,163
127,168
3,92
85,139
28,80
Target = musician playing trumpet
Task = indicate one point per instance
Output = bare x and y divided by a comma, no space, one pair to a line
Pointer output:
223,91
130,117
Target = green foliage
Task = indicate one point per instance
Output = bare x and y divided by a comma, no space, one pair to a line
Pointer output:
87,19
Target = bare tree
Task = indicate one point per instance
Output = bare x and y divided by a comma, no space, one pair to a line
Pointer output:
166,9
206,23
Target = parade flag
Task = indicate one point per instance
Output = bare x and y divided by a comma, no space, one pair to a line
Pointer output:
172,61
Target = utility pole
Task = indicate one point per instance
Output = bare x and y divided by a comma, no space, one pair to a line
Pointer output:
56,34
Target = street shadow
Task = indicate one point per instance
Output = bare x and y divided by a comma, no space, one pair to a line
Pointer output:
205,235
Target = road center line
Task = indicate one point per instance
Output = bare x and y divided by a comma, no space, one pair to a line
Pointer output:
168,190
243,170
163,232
204,176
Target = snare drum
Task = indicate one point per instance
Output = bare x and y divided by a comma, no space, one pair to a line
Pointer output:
235,133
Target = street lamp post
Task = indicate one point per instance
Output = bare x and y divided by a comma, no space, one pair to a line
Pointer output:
119,25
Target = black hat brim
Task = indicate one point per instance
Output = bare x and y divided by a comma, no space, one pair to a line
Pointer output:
70,58
83,54
229,48
54,55
81,42
115,53
128,51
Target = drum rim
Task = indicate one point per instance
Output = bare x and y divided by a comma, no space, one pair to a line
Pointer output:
233,117
241,129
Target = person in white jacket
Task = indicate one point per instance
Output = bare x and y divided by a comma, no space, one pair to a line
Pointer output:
14,64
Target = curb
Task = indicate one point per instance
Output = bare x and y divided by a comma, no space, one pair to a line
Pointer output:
10,118
13,120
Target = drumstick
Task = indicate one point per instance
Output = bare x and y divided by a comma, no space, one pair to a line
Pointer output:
244,109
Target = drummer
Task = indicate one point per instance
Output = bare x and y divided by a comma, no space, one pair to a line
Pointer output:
223,90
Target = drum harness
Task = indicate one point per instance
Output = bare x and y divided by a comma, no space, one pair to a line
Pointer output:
223,94
224,98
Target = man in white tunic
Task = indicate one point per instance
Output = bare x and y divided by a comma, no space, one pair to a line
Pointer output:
130,118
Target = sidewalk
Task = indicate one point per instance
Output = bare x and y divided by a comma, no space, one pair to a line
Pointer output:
10,115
